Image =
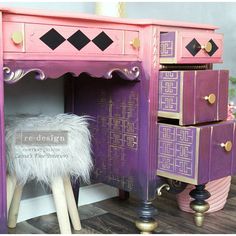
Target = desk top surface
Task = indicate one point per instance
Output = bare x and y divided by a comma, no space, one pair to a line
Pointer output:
96,18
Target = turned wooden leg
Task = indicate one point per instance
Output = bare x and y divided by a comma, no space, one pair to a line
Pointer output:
11,184
71,204
123,195
14,207
61,205
146,223
199,205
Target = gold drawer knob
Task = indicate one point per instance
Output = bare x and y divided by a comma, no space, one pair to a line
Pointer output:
211,98
17,37
135,43
207,47
227,146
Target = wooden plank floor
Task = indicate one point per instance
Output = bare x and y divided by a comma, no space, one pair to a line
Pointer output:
115,216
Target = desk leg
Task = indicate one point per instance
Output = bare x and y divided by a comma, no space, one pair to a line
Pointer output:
146,223
199,205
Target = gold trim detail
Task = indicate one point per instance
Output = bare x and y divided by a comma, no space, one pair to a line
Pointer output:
176,177
12,77
168,114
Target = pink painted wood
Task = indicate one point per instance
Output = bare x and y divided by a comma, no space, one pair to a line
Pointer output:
20,13
184,56
9,45
34,32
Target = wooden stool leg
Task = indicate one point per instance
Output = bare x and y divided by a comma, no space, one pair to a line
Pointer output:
71,204
61,205
11,184
14,208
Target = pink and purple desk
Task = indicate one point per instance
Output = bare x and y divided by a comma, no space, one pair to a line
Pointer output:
159,108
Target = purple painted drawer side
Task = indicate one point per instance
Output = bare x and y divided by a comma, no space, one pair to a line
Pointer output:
169,91
233,170
176,150
206,84
167,45
223,94
188,110
221,160
204,154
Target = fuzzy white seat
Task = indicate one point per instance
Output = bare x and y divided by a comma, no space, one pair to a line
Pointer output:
53,170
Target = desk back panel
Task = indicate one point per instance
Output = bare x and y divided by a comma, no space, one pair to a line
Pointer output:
120,143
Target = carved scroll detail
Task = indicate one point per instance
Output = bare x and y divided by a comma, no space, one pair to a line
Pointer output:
12,77
132,74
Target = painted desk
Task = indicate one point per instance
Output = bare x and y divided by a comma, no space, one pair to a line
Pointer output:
127,73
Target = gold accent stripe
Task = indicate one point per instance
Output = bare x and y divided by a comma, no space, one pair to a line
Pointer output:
168,60
177,177
168,114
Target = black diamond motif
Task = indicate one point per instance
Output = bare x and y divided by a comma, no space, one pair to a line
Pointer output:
102,41
194,47
79,40
52,39
213,49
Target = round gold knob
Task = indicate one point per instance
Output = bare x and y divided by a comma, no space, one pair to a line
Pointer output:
17,37
207,47
227,146
211,98
135,43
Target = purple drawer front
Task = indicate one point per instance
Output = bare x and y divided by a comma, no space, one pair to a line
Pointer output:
176,150
187,96
196,155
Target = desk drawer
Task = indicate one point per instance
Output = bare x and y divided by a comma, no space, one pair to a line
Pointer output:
196,154
193,97
190,47
78,40
68,40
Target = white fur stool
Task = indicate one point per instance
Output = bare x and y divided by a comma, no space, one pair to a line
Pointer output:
50,149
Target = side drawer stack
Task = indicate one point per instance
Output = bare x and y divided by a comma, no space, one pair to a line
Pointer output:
195,142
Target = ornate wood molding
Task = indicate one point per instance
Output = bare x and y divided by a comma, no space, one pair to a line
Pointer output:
12,77
132,74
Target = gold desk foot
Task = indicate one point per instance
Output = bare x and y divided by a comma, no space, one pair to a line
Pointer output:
199,205
146,227
146,222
